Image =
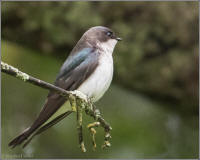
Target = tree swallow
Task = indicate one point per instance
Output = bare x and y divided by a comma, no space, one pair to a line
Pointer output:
88,69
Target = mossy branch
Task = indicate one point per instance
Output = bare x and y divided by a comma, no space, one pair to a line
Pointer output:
27,78
78,101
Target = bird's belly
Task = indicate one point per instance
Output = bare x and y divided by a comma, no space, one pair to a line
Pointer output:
97,84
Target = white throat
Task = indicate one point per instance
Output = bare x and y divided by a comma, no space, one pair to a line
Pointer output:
108,46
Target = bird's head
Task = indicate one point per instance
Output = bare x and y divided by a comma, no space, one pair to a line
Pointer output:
100,35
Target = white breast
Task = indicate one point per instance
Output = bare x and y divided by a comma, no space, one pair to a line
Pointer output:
97,84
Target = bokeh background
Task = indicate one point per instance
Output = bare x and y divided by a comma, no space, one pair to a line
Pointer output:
152,103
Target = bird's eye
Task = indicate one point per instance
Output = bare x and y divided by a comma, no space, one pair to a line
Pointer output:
109,33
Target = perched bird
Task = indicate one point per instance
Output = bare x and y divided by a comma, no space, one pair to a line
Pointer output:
88,69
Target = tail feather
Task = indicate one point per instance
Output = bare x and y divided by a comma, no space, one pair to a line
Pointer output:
50,107
28,132
19,139
47,126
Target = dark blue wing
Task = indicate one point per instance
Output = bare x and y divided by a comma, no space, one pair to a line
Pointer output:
77,68
73,61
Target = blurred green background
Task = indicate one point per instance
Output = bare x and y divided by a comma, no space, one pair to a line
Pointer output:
152,103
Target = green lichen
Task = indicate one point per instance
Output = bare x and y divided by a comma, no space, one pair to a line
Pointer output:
4,66
83,149
72,100
106,144
79,123
22,76
19,74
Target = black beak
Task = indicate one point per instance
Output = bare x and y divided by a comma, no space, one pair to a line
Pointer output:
119,39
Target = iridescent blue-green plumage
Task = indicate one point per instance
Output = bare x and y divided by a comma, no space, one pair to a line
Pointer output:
73,61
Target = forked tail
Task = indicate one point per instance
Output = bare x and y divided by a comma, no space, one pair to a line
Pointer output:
28,132
19,139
